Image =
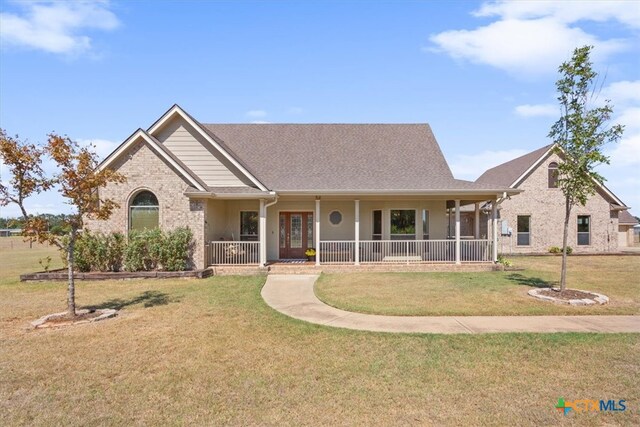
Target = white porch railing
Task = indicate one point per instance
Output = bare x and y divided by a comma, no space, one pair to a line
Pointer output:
476,250
407,251
233,253
404,251
371,252
337,252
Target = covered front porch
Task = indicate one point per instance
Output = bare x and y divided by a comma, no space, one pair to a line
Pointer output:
351,230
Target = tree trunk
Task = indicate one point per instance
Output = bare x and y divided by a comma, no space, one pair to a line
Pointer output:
71,295
565,237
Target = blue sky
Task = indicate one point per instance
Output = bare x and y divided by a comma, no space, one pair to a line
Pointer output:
481,74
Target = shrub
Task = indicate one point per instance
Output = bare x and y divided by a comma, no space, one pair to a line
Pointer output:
98,252
558,250
176,249
502,260
114,252
82,251
144,251
152,249
137,255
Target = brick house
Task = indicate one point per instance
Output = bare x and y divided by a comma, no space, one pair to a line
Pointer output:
257,193
356,193
533,221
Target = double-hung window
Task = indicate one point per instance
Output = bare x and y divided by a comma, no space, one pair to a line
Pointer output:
584,230
249,226
524,230
553,175
376,232
403,224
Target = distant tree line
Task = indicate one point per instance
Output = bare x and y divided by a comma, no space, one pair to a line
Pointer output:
56,224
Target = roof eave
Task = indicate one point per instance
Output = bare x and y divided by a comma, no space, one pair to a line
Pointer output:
499,192
228,196
157,148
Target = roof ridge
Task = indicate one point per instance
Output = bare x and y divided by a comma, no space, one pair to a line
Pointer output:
514,168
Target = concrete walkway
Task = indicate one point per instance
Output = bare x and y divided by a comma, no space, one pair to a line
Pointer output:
293,296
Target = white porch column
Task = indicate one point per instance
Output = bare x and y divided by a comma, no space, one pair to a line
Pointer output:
494,228
357,233
457,231
263,234
476,222
317,217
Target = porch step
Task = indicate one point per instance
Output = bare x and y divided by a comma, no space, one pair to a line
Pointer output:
310,268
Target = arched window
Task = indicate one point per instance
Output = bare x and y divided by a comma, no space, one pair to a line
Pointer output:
143,211
553,175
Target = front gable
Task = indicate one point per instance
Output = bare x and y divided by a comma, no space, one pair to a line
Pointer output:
536,177
140,138
191,147
213,162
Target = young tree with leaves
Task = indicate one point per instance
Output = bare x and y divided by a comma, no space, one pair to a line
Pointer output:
24,162
579,136
78,180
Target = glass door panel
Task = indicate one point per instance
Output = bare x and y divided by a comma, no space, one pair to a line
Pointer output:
296,231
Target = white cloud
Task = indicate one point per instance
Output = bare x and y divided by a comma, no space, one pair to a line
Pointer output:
625,12
627,152
471,166
533,37
256,113
537,110
56,26
625,98
623,93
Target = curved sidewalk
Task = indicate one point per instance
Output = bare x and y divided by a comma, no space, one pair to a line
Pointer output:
293,296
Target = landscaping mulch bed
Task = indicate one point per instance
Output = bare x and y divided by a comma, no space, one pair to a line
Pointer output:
82,316
61,274
70,319
567,294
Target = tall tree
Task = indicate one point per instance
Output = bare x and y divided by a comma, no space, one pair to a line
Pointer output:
77,178
579,135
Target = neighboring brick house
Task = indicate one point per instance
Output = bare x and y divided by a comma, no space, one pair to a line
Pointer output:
626,223
535,217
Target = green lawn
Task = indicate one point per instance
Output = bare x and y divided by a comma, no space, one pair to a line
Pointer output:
210,352
487,293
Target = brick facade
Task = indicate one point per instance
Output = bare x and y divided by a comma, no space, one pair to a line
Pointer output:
546,206
146,171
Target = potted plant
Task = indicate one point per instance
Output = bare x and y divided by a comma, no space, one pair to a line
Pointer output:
311,254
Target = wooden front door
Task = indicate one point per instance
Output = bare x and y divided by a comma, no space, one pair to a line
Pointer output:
296,234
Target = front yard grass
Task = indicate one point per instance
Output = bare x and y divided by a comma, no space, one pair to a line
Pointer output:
210,352
487,293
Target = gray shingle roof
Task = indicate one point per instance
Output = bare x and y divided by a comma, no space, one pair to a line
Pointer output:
625,217
298,157
506,173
